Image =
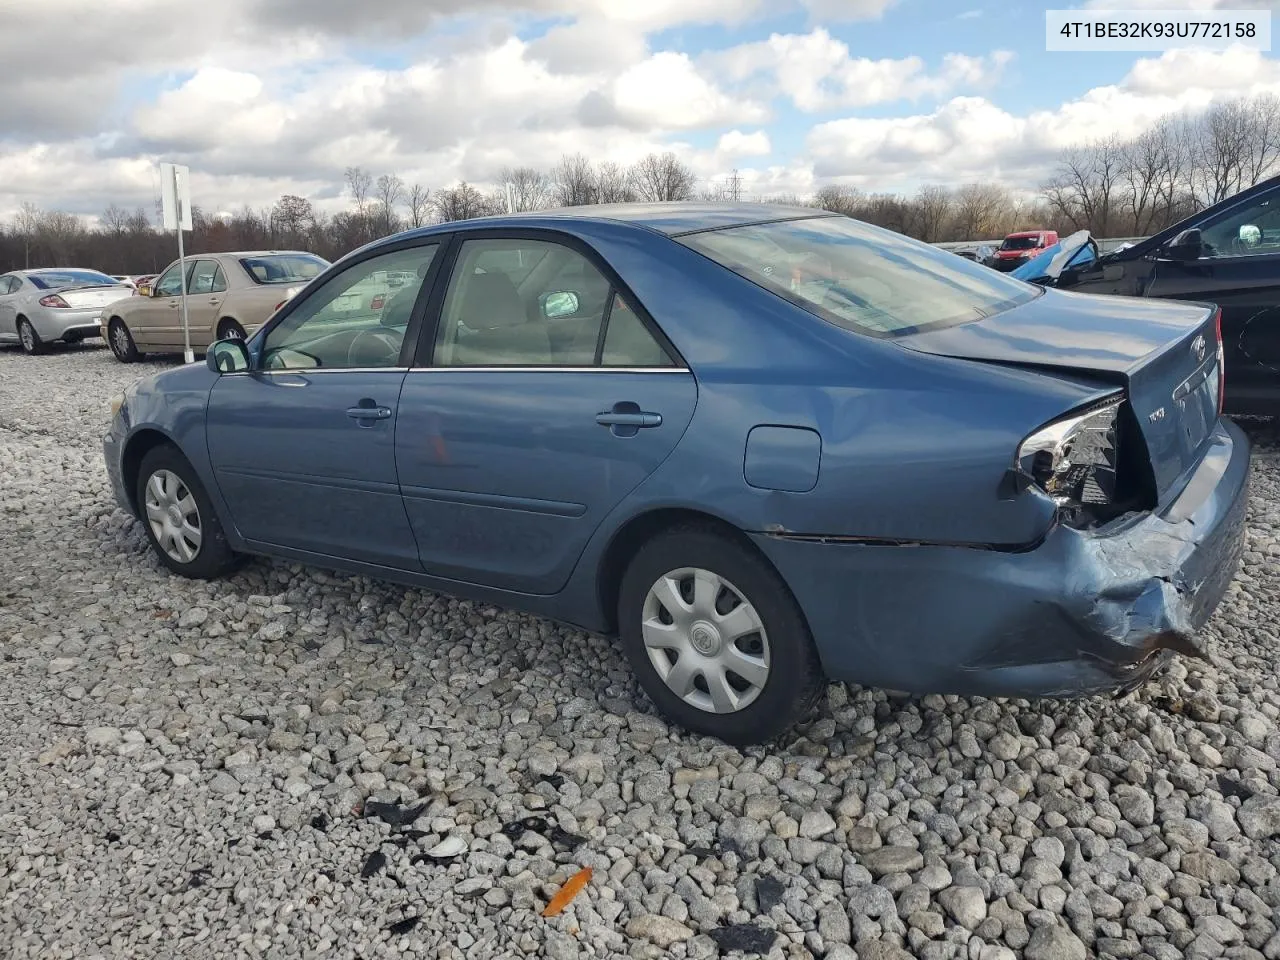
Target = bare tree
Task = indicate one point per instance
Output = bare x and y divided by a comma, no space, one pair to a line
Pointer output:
980,210
1087,185
838,199
613,184
389,192
359,182
531,189
419,203
931,211
661,177
575,181
25,224
1236,143
291,219
462,203
114,221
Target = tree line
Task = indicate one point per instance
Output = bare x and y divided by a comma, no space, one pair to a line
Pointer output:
1111,186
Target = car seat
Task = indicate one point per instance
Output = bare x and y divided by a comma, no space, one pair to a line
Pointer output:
503,336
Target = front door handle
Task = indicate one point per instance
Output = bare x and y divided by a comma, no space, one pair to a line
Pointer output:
368,410
629,419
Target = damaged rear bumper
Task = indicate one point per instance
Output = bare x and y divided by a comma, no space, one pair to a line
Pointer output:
1083,612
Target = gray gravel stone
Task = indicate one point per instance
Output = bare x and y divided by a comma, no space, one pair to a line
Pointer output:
149,742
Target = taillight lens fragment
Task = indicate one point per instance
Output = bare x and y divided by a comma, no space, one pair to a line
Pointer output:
1222,361
1075,460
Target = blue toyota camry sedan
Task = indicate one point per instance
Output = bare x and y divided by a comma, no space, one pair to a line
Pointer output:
762,446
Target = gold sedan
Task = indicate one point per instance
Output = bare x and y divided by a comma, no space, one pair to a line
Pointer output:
228,295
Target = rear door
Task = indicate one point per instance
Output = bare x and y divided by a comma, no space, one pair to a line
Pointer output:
205,291
302,446
156,321
541,398
1240,272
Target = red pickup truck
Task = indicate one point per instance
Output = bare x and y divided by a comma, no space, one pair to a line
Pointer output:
1020,247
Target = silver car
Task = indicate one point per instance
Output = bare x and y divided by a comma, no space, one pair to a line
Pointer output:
54,303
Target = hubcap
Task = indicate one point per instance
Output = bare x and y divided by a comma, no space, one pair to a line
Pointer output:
705,640
120,337
28,340
173,516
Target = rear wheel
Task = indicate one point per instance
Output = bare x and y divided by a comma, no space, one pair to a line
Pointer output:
31,342
230,330
179,518
121,341
715,637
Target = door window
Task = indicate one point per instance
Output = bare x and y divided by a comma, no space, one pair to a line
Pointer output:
206,277
8,285
170,285
1249,230
532,303
356,320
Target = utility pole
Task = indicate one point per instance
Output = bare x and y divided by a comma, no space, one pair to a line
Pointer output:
735,186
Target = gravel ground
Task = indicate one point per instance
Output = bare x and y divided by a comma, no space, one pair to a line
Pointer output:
185,770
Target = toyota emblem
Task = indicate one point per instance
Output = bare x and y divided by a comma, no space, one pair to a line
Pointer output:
1198,347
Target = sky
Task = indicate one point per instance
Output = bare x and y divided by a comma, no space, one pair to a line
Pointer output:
266,97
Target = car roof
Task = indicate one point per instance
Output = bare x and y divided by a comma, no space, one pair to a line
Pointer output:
1029,233
674,218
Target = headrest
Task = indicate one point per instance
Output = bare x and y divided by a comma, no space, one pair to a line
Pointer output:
491,302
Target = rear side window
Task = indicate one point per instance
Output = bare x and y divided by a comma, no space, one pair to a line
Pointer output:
861,277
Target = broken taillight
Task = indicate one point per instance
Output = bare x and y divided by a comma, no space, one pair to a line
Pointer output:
1075,460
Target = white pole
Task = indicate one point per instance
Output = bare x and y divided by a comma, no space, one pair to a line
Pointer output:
187,355
511,200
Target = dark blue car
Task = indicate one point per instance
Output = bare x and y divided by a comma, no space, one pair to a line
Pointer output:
763,446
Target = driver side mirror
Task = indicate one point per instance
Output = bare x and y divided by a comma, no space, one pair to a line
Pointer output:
1188,245
227,356
563,303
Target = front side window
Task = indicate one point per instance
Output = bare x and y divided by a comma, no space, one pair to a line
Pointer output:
283,267
860,277
356,319
170,284
1248,230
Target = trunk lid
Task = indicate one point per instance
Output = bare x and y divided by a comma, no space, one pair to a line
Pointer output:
96,295
1165,355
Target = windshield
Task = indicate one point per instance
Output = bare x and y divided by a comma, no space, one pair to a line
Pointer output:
860,277
52,279
283,267
1020,243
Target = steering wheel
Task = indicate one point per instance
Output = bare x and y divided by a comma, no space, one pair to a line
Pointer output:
374,348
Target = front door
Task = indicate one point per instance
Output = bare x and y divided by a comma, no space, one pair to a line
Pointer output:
9,287
543,399
156,321
1240,272
303,446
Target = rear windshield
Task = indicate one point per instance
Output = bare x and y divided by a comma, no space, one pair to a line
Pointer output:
860,277
53,279
283,267
1020,243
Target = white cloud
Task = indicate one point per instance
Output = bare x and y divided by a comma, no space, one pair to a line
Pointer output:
817,71
735,143
970,138
666,91
969,15
1131,5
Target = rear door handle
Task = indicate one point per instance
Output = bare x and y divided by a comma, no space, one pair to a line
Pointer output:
629,419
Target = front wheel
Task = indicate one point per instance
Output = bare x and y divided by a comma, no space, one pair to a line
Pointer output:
230,330
179,518
715,637
31,342
121,341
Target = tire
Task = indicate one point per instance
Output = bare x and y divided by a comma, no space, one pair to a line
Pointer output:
121,342
30,340
230,330
778,637
178,493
